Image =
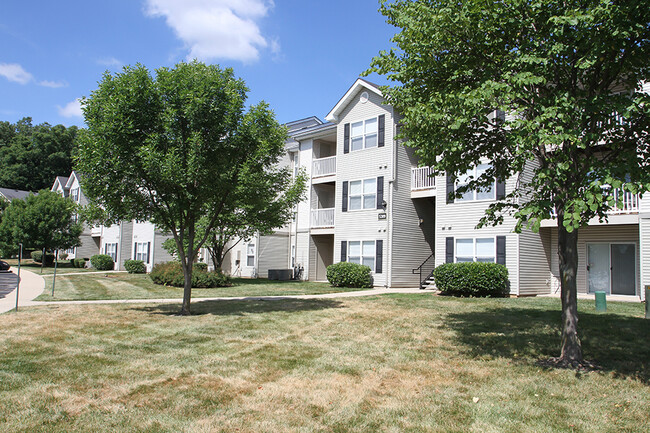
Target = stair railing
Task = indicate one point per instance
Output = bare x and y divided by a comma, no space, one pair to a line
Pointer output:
426,268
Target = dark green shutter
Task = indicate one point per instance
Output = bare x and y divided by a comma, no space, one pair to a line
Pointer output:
344,204
449,250
501,250
346,138
380,192
148,252
379,256
381,130
501,190
450,188
344,251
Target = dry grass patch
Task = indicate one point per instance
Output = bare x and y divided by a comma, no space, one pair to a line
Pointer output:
389,364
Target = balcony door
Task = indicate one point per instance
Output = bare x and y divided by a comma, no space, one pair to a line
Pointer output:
611,268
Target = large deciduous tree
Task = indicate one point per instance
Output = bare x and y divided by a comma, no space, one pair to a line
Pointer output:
176,148
43,221
32,156
567,74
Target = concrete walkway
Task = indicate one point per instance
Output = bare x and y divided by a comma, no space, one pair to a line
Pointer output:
32,285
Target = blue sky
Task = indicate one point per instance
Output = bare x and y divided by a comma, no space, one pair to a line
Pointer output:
299,56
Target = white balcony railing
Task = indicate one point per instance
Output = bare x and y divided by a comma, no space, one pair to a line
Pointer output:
421,178
96,231
322,218
629,202
324,167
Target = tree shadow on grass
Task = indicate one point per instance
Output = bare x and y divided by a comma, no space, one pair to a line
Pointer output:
247,306
618,344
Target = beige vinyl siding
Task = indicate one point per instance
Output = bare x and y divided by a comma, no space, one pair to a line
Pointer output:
302,253
311,269
412,242
160,255
628,233
89,246
644,248
273,253
535,262
459,220
363,225
126,247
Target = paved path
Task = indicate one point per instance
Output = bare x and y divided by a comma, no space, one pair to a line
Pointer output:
31,285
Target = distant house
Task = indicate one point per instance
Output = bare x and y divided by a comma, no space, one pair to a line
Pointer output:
11,194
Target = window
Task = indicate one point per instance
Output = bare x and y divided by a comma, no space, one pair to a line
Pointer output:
363,194
362,252
74,193
363,135
142,251
471,195
250,255
475,250
111,250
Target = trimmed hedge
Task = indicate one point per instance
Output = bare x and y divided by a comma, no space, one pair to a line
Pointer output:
102,262
346,274
200,266
473,279
37,256
79,263
171,274
135,266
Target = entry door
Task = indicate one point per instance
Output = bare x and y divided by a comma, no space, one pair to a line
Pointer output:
623,257
612,268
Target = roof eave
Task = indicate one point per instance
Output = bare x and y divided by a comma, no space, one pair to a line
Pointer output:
333,115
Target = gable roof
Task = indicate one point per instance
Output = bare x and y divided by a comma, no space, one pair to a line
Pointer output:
71,179
11,194
333,115
59,181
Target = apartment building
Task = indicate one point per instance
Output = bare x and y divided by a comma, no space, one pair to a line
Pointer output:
123,241
369,202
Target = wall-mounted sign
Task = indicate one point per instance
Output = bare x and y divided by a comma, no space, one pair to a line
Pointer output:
381,216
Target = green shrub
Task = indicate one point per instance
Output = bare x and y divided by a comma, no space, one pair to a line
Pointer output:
135,266
63,256
37,256
80,263
200,266
346,274
102,262
472,279
72,263
171,274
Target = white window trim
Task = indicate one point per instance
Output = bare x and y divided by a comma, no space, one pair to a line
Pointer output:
361,256
475,192
364,135
112,254
362,195
143,255
248,245
475,256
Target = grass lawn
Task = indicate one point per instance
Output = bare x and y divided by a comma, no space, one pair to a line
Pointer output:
140,286
399,363
63,267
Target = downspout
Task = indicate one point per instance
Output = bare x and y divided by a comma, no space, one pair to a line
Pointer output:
391,188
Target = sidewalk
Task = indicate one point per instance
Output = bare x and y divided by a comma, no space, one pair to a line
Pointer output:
31,285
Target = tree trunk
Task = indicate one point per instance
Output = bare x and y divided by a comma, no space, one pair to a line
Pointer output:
568,254
187,264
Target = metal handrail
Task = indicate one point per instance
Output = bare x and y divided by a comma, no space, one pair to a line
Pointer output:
420,268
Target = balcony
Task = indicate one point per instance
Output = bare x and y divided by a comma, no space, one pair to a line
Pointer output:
96,231
322,218
423,183
625,212
323,167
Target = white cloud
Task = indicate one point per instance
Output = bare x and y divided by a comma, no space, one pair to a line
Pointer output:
109,61
53,84
212,29
14,72
72,109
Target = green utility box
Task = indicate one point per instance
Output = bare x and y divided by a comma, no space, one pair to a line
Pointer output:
601,301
